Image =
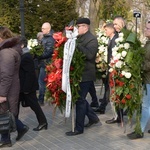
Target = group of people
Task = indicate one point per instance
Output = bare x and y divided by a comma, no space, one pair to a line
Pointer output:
19,79
87,43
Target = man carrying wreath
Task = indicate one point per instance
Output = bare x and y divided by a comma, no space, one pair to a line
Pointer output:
88,45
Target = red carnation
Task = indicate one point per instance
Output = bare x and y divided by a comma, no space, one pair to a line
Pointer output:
128,96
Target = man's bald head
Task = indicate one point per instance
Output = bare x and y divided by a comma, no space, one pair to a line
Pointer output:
46,27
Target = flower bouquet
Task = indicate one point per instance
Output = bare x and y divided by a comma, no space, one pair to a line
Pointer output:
36,49
126,74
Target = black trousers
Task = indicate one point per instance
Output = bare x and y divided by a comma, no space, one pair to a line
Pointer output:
106,96
32,102
83,108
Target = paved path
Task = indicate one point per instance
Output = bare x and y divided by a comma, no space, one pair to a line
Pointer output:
98,137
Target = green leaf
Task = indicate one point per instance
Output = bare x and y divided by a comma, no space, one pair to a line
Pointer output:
131,38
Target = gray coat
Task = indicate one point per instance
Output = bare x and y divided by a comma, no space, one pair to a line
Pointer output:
10,53
88,44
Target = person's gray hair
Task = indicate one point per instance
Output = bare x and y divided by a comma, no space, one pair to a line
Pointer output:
39,34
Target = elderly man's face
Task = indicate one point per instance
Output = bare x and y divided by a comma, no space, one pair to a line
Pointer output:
45,29
118,24
82,28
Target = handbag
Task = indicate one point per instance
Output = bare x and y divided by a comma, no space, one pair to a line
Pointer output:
7,122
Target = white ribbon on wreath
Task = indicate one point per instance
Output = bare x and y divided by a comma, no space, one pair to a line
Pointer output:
69,49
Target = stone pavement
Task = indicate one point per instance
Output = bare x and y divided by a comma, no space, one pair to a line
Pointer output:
98,137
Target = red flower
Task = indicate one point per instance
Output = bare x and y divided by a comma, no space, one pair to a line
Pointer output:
128,96
55,54
59,38
120,75
51,77
123,101
121,83
58,63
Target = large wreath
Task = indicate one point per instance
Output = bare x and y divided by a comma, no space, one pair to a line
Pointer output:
126,75
54,93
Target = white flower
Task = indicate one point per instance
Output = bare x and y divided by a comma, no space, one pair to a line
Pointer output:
121,46
115,48
104,40
114,53
119,64
126,45
120,34
32,43
123,73
127,75
111,69
118,56
98,59
124,53
120,39
102,49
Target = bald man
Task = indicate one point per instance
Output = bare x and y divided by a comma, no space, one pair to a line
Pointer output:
48,43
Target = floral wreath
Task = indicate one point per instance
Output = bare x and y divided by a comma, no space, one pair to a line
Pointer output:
54,93
101,56
126,75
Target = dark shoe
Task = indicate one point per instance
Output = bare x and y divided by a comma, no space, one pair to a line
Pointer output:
93,104
40,127
70,133
5,144
113,120
22,133
148,131
91,123
99,110
134,135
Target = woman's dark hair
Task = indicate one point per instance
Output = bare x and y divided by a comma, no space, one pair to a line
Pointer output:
23,41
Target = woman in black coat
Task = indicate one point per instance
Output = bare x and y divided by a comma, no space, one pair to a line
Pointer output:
29,85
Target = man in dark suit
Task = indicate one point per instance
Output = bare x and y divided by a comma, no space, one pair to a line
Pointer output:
111,33
29,85
119,24
88,45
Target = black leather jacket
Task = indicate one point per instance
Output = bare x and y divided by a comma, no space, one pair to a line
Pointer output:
48,44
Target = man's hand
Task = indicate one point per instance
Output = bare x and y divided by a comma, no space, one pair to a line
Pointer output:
2,99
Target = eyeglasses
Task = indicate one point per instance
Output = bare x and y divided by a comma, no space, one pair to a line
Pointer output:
78,26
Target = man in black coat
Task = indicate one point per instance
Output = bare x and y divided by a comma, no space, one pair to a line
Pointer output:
88,45
29,85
